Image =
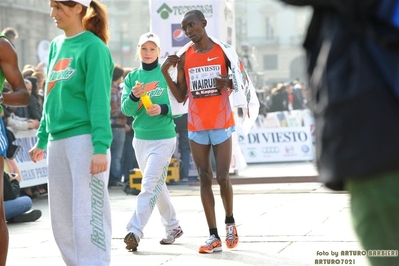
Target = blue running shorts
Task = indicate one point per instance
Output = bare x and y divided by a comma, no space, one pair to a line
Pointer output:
213,136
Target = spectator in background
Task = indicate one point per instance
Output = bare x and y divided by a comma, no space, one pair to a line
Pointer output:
268,97
118,124
35,107
6,86
299,101
279,99
129,160
290,96
27,72
34,114
40,67
17,208
29,69
129,156
183,147
23,112
11,34
264,100
41,80
306,95
26,117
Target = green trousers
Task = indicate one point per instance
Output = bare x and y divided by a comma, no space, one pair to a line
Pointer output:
375,215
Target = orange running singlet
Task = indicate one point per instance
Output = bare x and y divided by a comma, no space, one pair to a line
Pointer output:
208,108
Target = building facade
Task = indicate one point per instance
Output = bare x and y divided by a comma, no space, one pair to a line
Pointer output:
269,34
34,25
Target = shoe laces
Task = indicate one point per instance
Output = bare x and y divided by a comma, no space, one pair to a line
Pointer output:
170,234
131,236
173,232
230,232
210,240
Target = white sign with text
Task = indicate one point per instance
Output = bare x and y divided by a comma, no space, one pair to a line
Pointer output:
166,16
277,144
32,174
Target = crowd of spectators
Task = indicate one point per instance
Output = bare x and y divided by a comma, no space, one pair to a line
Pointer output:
284,96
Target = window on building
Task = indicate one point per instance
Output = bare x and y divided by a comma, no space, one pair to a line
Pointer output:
240,29
270,62
269,28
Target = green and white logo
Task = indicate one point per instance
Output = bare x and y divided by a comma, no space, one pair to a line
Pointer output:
164,11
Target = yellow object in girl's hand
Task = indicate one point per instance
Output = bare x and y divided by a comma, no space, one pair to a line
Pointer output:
145,99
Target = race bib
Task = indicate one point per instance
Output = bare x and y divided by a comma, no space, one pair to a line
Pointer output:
202,81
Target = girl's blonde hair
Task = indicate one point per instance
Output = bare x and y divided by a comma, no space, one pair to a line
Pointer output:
138,53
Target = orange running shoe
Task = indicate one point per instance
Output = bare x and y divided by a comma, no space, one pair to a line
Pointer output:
213,244
231,236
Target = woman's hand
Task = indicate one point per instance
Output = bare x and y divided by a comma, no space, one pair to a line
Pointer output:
99,163
36,154
138,90
154,110
33,123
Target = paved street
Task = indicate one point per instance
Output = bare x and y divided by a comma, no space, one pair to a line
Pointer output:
287,223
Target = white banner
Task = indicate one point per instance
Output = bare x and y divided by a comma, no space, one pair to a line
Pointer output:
32,174
294,118
166,16
277,144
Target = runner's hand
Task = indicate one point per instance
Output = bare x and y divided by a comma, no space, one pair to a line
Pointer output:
223,82
170,61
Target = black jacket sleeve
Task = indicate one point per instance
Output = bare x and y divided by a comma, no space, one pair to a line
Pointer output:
35,111
11,188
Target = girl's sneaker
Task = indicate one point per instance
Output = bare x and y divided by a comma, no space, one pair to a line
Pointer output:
131,241
171,236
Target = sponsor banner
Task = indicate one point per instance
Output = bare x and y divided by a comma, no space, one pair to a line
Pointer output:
277,144
294,118
166,16
32,174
